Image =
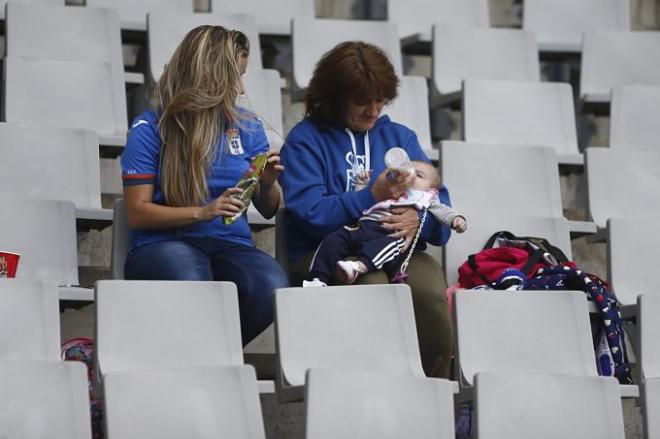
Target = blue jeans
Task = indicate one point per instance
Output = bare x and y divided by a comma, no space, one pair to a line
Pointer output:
255,273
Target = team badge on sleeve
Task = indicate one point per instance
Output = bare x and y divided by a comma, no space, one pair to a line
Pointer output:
234,142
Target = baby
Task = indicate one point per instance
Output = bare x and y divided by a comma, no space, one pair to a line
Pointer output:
368,243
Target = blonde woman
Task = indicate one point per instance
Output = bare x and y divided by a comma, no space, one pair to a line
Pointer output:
180,168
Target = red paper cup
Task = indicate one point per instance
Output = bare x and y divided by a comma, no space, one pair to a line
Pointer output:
8,264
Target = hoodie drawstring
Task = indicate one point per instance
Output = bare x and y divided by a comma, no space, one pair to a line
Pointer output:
367,151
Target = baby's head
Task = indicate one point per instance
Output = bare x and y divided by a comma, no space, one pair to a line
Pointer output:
426,177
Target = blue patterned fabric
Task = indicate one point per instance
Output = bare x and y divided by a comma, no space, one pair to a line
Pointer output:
567,278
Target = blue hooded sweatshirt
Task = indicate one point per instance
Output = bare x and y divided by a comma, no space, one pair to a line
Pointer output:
318,180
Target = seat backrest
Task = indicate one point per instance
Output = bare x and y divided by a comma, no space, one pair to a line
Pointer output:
649,307
611,59
44,234
273,16
632,246
166,29
220,402
417,16
635,117
482,53
314,37
64,33
65,94
349,404
559,24
61,164
281,243
520,113
120,239
652,408
411,108
44,399
538,406
264,97
501,179
483,226
166,324
523,332
133,13
352,328
40,2
29,320
611,173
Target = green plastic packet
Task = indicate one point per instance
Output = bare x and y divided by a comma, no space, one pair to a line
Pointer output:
248,183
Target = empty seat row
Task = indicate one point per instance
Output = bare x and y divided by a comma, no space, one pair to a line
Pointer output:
558,25
141,326
205,402
274,16
147,342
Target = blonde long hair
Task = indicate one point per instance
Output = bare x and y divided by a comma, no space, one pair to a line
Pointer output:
196,99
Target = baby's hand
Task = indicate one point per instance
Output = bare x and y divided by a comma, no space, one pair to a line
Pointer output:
362,177
459,224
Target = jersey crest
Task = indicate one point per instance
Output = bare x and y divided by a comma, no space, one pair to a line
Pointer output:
234,142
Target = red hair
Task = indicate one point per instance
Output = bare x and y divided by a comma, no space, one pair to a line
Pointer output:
353,70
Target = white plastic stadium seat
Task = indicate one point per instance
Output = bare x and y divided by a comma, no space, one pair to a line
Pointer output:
209,402
521,113
144,325
44,399
368,405
66,94
40,2
482,227
166,29
360,328
44,234
415,18
635,117
273,16
559,24
631,249
649,307
411,108
611,59
59,164
480,53
264,98
652,408
507,180
67,34
622,183
547,406
312,38
133,13
556,336
29,320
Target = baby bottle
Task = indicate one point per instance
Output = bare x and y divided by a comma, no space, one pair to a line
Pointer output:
397,158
